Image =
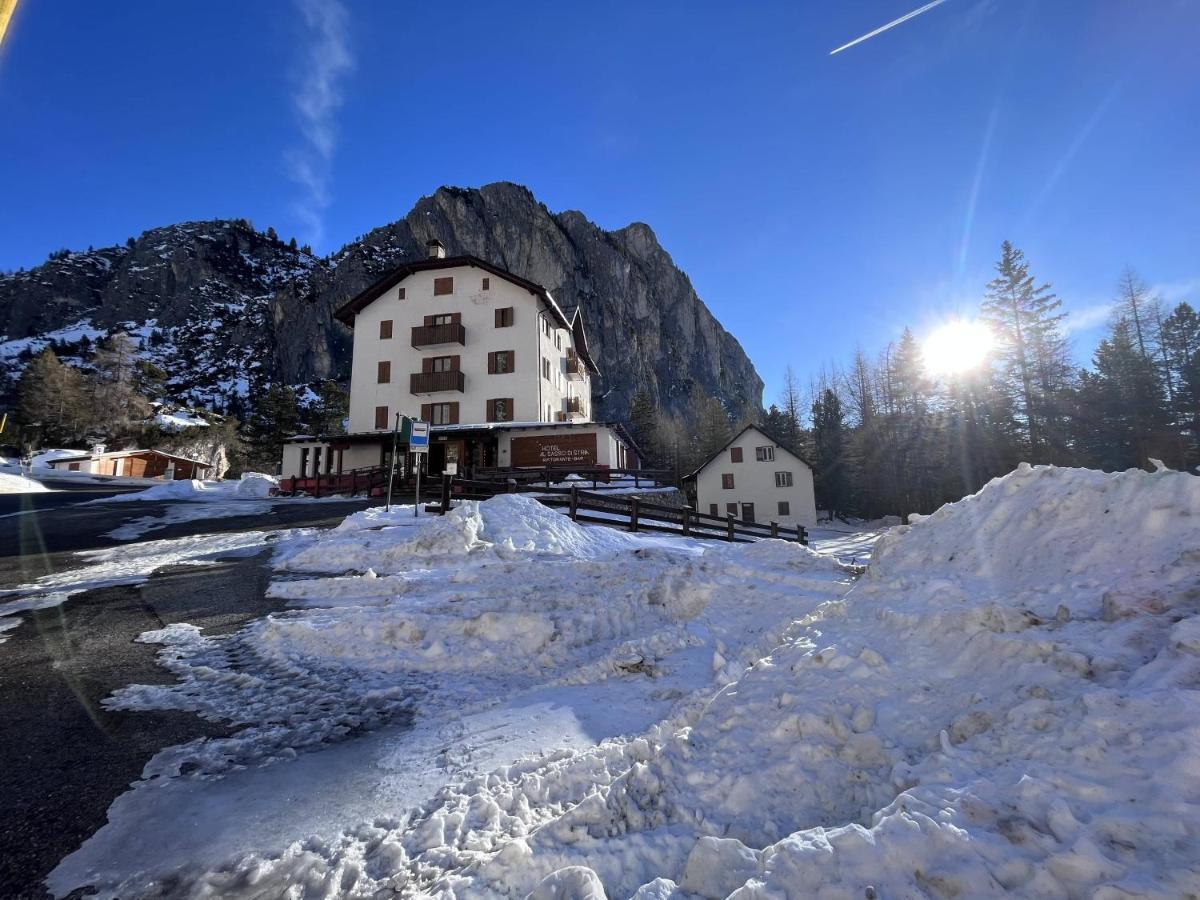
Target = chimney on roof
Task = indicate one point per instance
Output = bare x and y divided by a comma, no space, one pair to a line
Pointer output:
434,249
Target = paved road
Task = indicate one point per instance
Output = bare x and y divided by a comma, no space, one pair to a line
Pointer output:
41,541
63,757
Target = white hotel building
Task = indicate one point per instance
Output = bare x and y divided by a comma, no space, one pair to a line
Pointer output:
500,371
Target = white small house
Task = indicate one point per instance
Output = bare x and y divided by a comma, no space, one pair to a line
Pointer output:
755,478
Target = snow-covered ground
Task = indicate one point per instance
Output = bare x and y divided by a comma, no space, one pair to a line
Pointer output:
11,483
500,702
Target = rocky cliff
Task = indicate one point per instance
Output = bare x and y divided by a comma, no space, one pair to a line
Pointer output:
224,308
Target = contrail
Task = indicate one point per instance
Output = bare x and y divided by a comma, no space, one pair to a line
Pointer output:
892,24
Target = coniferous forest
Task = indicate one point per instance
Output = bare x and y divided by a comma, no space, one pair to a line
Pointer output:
886,437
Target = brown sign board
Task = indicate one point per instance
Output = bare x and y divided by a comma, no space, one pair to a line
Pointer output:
548,451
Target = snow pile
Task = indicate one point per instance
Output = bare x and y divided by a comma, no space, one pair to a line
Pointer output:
252,486
1006,703
19,484
255,486
506,526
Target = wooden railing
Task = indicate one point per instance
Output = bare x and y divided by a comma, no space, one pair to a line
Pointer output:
575,367
428,335
593,475
371,482
430,382
633,513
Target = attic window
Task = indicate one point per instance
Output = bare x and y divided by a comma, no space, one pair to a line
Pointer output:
735,454
443,286
400,294
487,283
764,454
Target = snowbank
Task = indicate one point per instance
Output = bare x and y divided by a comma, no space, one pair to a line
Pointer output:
252,486
19,484
1006,703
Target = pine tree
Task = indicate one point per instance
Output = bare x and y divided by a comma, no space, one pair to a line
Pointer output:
328,414
1122,421
1031,349
1181,352
790,405
52,399
713,430
829,441
275,417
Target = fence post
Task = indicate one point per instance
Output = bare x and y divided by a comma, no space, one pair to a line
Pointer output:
446,479
547,474
633,514
574,501
636,479
317,489
802,534
729,526
687,520
774,529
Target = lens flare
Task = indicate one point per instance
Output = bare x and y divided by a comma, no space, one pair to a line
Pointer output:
957,347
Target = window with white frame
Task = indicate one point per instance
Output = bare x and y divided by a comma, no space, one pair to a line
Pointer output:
764,454
783,479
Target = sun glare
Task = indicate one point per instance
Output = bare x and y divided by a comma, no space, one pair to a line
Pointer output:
957,347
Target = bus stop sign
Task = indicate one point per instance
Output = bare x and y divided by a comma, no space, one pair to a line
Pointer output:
418,441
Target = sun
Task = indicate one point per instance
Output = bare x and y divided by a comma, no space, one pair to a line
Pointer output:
957,347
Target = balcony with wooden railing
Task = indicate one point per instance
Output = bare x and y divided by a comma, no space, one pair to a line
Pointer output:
432,335
573,407
433,382
576,370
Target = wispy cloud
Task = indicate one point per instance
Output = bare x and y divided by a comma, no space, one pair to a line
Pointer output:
1177,291
1085,318
327,58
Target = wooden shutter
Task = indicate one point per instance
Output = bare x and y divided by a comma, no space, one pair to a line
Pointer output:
455,363
453,414
426,412
712,509
443,286
735,454
401,294
385,329
381,417
487,283
492,364
504,317
491,410
727,482
385,372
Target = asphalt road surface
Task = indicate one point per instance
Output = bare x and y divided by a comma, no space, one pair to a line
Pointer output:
63,757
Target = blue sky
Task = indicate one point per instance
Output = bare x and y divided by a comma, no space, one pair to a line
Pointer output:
816,202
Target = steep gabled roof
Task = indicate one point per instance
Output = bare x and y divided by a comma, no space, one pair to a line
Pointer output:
733,440
348,310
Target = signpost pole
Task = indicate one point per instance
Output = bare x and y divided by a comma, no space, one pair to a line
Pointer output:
392,468
418,443
417,497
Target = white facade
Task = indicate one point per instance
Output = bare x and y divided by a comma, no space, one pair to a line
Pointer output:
755,478
537,343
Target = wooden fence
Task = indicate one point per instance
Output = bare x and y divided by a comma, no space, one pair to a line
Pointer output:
631,513
598,476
